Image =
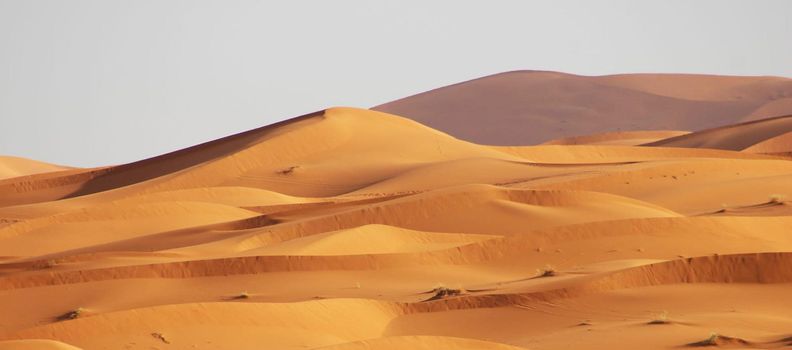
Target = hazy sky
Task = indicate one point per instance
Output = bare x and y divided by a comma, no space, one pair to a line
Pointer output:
100,82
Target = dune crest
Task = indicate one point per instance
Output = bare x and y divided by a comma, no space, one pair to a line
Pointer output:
350,228
11,167
736,137
531,107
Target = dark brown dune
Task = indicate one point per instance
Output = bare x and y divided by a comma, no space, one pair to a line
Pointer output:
531,107
357,229
735,137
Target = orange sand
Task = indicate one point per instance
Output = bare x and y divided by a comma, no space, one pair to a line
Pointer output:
356,229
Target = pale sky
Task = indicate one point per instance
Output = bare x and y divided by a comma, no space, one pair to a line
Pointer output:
89,83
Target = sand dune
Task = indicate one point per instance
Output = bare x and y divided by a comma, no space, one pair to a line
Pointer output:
625,138
733,137
775,108
781,145
290,157
357,229
11,167
369,239
531,107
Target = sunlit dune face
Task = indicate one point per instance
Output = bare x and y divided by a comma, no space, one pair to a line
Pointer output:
358,229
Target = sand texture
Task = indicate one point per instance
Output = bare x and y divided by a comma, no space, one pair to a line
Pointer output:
663,227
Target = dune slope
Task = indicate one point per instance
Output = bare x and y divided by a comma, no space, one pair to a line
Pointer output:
734,137
358,229
11,167
531,107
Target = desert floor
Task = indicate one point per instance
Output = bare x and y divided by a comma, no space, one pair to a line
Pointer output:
357,229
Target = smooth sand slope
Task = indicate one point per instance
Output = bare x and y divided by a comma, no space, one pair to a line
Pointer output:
11,167
624,138
738,137
356,229
531,107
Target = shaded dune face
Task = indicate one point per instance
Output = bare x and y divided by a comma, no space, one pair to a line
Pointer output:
759,136
531,107
358,229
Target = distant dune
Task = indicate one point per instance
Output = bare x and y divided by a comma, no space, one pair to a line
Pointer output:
656,216
625,138
14,167
738,137
531,107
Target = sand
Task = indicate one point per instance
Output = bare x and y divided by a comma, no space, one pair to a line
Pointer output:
357,229
531,107
11,167
736,137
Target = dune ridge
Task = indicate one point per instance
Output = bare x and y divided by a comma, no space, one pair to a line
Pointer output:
735,137
531,107
329,231
12,167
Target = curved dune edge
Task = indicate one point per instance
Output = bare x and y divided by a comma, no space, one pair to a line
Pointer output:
529,107
700,87
689,187
127,211
85,228
468,199
436,211
369,240
254,199
253,163
329,230
13,167
738,268
59,187
46,186
612,154
778,144
264,323
623,138
454,209
292,157
734,137
774,108
734,268
698,228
